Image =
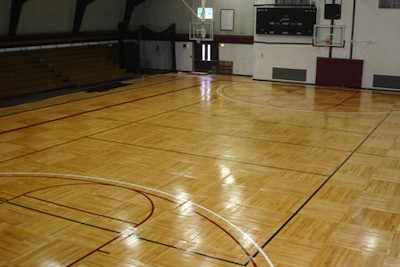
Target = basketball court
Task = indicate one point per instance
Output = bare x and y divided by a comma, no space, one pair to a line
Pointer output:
202,170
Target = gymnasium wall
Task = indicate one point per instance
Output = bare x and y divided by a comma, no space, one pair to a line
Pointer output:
375,34
291,53
374,42
155,13
377,38
241,55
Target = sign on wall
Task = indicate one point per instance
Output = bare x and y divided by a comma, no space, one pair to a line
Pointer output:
227,19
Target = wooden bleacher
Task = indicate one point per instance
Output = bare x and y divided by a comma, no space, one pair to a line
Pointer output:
39,70
21,73
84,65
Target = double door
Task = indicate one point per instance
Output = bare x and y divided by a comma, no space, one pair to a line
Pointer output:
206,57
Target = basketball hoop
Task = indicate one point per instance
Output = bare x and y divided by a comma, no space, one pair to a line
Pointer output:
327,42
199,38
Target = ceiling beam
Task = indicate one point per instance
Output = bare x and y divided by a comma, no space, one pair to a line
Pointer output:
79,13
15,14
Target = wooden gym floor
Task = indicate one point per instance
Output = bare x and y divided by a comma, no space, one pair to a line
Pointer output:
186,170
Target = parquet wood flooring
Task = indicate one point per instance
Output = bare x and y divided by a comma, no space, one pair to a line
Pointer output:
210,170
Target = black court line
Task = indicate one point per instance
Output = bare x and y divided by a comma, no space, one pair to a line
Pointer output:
119,234
9,201
86,136
92,213
203,156
233,135
91,97
356,91
322,185
61,217
41,150
66,142
193,252
268,121
327,109
97,109
93,251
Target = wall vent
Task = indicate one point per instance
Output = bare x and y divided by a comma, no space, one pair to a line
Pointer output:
386,81
292,2
289,74
389,3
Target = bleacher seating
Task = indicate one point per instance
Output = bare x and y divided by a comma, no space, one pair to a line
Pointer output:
40,70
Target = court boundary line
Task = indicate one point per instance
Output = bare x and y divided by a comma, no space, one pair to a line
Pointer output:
183,110
89,212
118,233
220,92
207,157
243,136
181,199
90,97
324,182
96,109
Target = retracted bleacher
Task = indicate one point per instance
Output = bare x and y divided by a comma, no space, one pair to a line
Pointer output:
74,66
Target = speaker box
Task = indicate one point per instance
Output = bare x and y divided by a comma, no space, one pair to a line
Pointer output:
333,11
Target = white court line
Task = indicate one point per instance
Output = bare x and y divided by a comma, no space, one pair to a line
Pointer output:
221,93
264,255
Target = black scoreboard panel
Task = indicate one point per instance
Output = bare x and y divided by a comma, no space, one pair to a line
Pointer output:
286,20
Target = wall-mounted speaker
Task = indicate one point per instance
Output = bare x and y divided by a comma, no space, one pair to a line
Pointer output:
333,11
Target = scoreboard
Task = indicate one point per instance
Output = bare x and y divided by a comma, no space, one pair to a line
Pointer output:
286,20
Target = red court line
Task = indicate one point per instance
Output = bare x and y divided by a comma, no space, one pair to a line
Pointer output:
97,109
231,236
93,213
144,194
216,224
26,194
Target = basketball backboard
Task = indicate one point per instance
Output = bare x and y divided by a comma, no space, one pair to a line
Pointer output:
201,31
329,36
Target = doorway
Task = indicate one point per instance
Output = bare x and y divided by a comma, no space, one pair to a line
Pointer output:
206,56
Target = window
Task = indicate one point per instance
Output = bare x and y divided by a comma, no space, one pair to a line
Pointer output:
208,13
292,2
206,52
389,3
